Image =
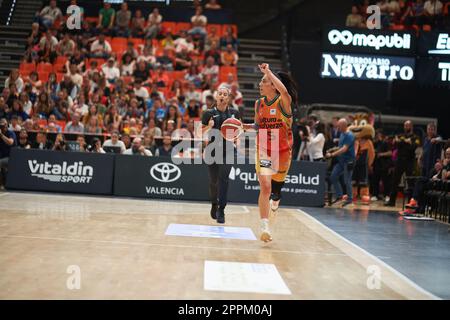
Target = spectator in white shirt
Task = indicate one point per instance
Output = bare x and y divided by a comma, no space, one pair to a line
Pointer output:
433,7
14,77
111,72
138,149
154,24
199,22
75,75
49,14
211,71
316,142
115,142
140,91
101,48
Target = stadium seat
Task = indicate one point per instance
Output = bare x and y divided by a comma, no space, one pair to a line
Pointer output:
168,26
93,20
59,77
44,67
119,44
176,75
218,28
127,79
397,27
43,76
226,70
27,68
182,26
137,42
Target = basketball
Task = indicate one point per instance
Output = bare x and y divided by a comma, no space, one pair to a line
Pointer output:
231,129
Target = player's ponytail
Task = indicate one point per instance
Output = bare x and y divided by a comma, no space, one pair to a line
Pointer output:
290,85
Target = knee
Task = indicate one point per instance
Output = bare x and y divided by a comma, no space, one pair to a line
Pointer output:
266,187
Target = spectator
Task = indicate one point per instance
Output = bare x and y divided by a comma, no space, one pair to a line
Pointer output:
229,38
194,76
236,96
406,158
111,72
106,17
446,166
4,109
82,145
41,142
50,14
214,52
123,19
213,38
75,126
354,19
60,143
209,103
229,57
14,77
345,162
138,24
199,22
26,103
381,166
172,115
431,150
140,91
166,149
23,142
182,60
115,142
165,60
7,141
211,71
138,149
213,5
128,65
52,122
154,24
75,77
149,142
142,73
97,146
152,129
66,46
433,12
101,48
47,47
161,78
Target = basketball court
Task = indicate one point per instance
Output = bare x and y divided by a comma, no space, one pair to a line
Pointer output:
129,249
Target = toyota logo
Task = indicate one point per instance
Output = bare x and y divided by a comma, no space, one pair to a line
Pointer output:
165,172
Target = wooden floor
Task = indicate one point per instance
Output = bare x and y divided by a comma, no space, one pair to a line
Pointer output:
122,251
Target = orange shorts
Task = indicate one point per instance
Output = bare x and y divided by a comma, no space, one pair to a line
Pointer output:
276,164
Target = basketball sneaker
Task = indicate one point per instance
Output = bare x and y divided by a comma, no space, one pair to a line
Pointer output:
213,212
274,205
265,231
220,215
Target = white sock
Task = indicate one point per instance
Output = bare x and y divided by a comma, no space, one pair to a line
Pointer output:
265,224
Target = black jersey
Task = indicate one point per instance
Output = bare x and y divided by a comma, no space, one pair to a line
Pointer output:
219,118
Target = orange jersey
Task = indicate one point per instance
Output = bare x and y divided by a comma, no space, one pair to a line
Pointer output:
274,125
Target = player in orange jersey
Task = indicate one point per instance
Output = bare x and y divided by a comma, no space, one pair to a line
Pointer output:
273,121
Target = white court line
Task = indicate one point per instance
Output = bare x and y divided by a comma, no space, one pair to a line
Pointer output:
245,209
147,244
377,260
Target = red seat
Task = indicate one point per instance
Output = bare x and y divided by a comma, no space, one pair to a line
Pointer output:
218,28
26,68
182,26
168,26
176,75
59,77
44,67
43,76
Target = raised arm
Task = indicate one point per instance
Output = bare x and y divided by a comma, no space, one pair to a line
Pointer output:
285,97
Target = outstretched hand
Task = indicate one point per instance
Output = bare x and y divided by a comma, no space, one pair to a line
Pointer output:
264,67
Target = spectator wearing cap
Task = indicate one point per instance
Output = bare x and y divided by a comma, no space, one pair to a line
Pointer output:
138,149
111,72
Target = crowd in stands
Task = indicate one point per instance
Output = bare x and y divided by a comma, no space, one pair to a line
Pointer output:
402,14
122,72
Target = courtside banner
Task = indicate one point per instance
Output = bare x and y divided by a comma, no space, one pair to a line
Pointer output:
305,184
366,67
383,42
160,178
77,172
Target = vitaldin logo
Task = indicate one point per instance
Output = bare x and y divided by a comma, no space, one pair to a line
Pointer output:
76,172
